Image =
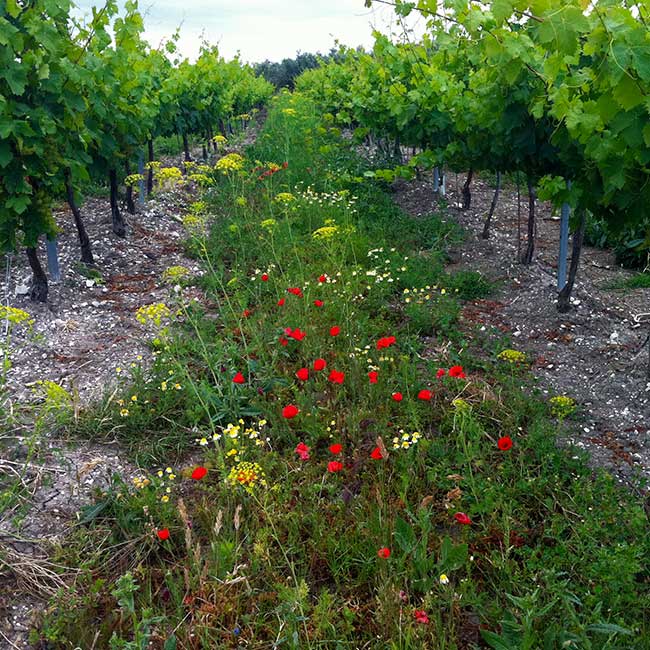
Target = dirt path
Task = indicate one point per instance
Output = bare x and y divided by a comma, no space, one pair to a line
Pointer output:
592,354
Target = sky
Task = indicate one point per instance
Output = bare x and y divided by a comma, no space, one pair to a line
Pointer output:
259,30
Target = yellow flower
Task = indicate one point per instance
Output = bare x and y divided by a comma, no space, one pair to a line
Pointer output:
444,580
164,498
562,406
124,412
284,198
512,356
247,475
15,316
232,162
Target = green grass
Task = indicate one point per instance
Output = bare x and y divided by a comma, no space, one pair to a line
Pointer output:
638,281
555,555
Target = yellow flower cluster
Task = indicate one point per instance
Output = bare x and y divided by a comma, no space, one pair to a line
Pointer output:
562,406
247,475
284,198
232,162
268,224
133,179
424,294
290,112
174,274
153,314
194,223
326,232
512,356
141,482
167,474
219,139
15,316
167,177
406,440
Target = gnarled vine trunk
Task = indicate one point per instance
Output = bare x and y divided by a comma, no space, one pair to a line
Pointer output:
467,193
527,257
84,240
186,148
119,226
564,299
493,207
39,289
150,172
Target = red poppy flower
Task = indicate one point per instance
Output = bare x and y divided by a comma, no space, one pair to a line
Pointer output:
318,303
335,331
385,342
425,394
281,302
441,373
296,333
199,473
334,466
337,376
320,364
246,313
398,397
303,374
384,553
457,371
302,450
421,616
296,291
462,518
504,443
290,411
372,375
163,534
283,341
265,277
336,448
239,379
376,454
322,278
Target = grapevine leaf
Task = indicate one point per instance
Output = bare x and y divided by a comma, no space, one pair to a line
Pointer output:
5,153
627,93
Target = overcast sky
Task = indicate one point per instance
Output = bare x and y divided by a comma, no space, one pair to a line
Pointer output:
261,29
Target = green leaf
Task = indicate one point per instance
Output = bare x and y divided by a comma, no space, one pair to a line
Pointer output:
5,153
627,93
495,641
12,8
452,557
170,644
501,9
608,628
646,135
89,513
404,535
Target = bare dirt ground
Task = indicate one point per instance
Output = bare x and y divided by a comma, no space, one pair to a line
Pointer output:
593,354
